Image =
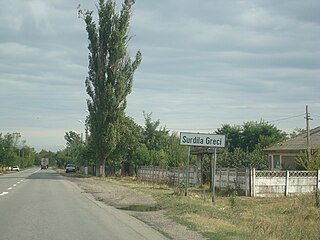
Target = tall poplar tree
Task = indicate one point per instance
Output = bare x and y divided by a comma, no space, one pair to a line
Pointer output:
110,75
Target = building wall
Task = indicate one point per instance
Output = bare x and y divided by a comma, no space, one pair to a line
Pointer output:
287,161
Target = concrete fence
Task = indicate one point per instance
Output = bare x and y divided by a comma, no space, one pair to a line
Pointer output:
252,182
170,175
233,178
283,183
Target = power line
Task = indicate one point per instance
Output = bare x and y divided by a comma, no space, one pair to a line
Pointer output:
192,129
282,119
215,128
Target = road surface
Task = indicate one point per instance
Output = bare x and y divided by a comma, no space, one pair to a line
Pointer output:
40,204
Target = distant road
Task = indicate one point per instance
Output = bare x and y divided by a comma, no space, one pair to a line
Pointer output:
40,204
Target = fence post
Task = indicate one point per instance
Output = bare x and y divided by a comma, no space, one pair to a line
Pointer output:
247,187
318,180
236,180
220,178
228,184
287,184
318,189
253,182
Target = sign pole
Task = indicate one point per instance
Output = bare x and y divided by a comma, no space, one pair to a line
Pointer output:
213,175
202,140
187,173
211,170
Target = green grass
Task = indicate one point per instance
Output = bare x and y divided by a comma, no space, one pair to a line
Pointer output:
74,174
238,217
141,208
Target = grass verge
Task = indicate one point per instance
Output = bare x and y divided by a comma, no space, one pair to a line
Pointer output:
236,217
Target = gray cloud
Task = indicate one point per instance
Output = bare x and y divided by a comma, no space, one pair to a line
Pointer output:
203,65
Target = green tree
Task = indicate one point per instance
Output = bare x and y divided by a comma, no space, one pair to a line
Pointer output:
60,158
233,135
27,156
311,164
110,75
260,135
10,152
14,151
243,159
141,156
131,134
2,152
176,153
45,154
251,135
244,144
156,136
75,147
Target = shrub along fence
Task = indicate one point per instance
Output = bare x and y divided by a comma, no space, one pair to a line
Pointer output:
252,182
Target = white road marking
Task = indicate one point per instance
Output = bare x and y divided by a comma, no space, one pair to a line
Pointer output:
10,188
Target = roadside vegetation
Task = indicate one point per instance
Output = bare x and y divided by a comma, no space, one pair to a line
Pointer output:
148,145
14,151
154,145
236,217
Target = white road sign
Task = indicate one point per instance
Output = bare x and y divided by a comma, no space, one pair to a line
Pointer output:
201,139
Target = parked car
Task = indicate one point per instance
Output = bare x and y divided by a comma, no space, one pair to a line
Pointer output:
70,168
15,168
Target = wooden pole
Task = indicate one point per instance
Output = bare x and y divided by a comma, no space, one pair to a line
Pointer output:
307,117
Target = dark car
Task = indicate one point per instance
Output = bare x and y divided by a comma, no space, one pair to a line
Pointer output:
70,168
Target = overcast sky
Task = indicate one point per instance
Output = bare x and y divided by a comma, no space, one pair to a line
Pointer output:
205,63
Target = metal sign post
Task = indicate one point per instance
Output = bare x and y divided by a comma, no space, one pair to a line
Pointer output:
187,173
202,140
213,175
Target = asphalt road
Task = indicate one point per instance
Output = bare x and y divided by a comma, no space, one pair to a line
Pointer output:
40,204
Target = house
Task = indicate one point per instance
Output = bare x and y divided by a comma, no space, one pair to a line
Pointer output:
283,155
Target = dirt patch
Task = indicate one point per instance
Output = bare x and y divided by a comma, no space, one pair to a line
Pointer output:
124,198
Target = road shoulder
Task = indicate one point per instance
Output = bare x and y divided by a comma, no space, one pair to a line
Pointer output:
122,197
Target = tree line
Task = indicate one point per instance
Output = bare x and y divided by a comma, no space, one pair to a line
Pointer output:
14,151
154,145
149,145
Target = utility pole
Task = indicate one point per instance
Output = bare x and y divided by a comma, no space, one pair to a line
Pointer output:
308,118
